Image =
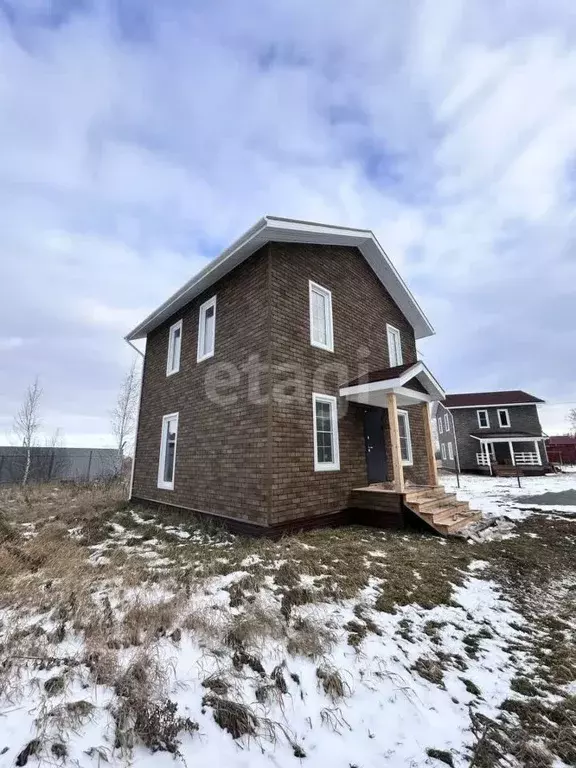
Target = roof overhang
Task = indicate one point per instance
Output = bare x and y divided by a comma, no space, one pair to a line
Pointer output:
375,393
491,405
509,439
275,229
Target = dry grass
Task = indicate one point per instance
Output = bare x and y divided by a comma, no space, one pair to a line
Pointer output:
76,563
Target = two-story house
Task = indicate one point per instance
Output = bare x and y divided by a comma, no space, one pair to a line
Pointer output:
281,388
479,431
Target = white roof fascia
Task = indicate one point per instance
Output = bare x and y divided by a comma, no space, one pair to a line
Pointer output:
276,229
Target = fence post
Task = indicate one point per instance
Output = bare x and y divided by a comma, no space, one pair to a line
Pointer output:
89,466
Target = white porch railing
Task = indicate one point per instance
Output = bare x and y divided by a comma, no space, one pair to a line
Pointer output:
482,459
526,458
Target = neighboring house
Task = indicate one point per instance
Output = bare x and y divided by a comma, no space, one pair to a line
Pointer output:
282,379
561,449
481,429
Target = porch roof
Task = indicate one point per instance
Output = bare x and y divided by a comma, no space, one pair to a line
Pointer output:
372,388
514,436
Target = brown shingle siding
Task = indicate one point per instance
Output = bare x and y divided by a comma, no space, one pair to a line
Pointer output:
254,461
361,308
221,457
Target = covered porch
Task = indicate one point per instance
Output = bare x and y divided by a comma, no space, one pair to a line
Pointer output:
397,428
519,449
400,459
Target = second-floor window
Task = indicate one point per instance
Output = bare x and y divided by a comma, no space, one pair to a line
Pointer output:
321,332
174,346
483,420
206,329
440,430
394,346
447,422
503,417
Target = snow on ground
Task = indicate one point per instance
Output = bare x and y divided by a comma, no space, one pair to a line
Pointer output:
345,648
496,496
389,714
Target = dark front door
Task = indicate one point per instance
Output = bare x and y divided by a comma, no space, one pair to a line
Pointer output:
375,448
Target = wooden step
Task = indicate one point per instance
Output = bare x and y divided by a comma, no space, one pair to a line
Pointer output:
426,504
425,493
457,525
443,511
450,513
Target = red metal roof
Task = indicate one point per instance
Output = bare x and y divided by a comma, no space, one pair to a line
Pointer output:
508,397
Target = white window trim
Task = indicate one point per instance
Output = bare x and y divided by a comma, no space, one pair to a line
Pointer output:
202,329
171,333
440,428
161,482
390,331
504,410
314,287
443,449
483,426
450,452
410,460
331,466
447,422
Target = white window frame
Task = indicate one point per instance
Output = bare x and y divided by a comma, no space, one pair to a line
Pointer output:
443,449
334,465
450,452
504,410
315,288
394,336
480,425
447,422
410,460
171,334
167,486
200,355
440,428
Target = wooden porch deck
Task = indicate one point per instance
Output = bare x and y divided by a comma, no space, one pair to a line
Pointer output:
440,511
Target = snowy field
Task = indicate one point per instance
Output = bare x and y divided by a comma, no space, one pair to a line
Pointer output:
131,639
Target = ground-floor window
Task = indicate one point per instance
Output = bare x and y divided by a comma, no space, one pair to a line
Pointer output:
326,450
405,441
443,449
168,451
450,452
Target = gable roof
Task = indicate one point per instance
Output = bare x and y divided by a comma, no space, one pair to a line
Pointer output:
507,397
276,229
388,379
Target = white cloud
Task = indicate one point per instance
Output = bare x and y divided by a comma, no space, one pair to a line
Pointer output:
449,129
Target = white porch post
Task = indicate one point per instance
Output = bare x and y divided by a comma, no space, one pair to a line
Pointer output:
537,449
488,455
512,453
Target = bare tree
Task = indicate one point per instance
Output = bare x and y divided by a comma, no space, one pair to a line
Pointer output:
123,416
572,420
27,423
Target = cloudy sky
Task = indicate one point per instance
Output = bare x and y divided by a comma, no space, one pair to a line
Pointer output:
138,138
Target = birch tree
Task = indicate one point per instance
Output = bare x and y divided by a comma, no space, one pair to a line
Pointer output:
27,424
572,420
123,416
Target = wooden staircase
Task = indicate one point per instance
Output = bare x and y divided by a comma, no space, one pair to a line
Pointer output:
440,510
